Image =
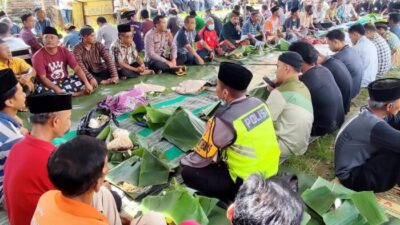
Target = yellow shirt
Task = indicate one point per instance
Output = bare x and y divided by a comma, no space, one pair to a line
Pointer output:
17,65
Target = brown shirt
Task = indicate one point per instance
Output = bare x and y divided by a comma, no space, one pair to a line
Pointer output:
91,60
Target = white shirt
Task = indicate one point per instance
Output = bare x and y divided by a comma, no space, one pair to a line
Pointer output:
108,33
64,4
369,58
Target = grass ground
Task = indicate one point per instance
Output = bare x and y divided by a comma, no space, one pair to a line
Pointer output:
318,160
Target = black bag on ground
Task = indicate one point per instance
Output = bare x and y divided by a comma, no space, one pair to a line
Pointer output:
84,127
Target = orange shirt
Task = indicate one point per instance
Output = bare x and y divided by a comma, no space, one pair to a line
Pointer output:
54,208
272,25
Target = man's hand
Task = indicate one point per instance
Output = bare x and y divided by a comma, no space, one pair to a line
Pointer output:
141,68
212,55
114,80
88,88
94,83
58,90
201,61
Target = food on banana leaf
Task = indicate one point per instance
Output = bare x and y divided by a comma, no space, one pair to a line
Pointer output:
98,121
127,187
121,140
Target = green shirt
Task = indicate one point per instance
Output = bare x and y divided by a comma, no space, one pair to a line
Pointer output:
292,114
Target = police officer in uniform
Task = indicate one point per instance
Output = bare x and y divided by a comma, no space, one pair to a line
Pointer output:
367,148
239,140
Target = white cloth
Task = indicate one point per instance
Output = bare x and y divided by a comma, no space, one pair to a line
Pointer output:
104,202
190,87
64,4
150,87
369,58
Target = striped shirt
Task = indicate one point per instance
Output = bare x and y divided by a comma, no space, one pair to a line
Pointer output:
91,60
9,135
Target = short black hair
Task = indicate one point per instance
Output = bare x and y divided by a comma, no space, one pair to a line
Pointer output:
395,17
4,28
2,13
157,19
144,14
333,1
7,95
187,18
308,8
236,8
357,28
173,12
264,7
193,13
235,13
335,35
37,9
274,9
76,165
369,27
101,19
270,201
306,50
25,16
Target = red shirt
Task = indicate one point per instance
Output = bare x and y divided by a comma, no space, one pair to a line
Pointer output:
54,67
210,37
26,178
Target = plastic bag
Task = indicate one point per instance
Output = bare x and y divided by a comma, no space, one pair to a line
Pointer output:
85,126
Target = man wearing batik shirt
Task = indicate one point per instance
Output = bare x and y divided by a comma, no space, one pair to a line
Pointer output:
90,55
161,51
384,53
50,63
125,55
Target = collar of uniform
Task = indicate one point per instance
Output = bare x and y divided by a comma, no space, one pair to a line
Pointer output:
78,208
239,99
6,117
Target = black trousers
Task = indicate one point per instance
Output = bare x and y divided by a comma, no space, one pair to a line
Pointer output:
100,76
129,73
379,174
213,180
158,66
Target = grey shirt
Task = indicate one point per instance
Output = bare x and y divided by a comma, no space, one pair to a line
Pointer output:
108,33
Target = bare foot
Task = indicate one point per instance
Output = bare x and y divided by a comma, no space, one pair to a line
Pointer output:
147,72
106,82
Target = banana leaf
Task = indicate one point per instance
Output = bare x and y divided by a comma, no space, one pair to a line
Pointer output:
260,92
283,44
218,217
179,205
338,189
346,214
156,118
183,129
152,170
320,200
367,205
208,112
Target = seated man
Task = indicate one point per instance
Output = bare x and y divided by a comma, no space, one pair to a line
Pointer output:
41,21
230,34
368,52
319,15
292,26
325,95
185,40
11,131
27,35
26,175
14,43
90,53
239,140
290,106
394,23
22,70
392,40
384,53
306,20
125,56
107,33
160,51
260,201
51,63
272,25
341,75
209,35
252,28
72,38
367,147
348,56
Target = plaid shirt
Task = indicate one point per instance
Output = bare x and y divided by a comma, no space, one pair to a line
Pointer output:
393,40
123,53
250,28
384,54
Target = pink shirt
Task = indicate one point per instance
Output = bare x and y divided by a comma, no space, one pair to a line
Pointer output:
53,67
